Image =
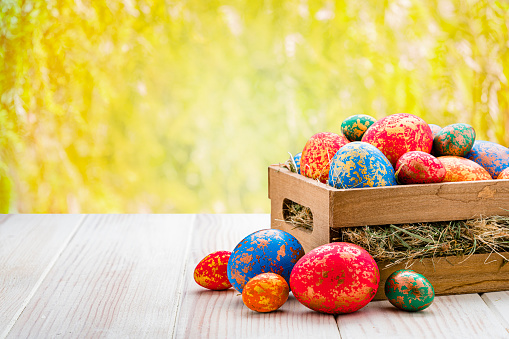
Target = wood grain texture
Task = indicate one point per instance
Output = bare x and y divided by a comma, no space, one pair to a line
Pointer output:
222,314
29,246
498,302
120,276
461,316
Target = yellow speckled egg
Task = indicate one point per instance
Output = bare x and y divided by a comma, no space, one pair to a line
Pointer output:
211,271
462,169
265,292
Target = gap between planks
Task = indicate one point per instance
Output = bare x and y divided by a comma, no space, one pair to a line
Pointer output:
43,276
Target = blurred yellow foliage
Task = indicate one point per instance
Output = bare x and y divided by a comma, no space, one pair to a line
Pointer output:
180,106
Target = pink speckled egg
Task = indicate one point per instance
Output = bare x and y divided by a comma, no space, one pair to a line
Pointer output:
265,292
211,271
504,174
419,168
318,153
398,134
462,169
335,278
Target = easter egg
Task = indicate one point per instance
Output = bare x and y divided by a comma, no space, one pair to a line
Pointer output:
492,156
296,159
455,139
504,174
211,271
419,168
317,154
266,292
434,129
397,134
359,164
354,126
335,278
264,251
409,290
462,169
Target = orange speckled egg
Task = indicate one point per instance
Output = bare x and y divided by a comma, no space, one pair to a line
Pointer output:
398,134
419,168
211,271
462,169
265,292
335,278
504,174
317,154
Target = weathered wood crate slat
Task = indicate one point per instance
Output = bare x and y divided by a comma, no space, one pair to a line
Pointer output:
336,208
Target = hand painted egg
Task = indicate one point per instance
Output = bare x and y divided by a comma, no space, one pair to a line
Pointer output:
504,174
462,169
318,153
335,278
211,271
266,292
296,159
359,164
419,168
397,134
492,156
455,139
354,127
434,129
409,290
264,251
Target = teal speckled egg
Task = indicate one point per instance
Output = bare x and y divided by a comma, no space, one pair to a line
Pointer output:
354,127
359,164
409,290
455,139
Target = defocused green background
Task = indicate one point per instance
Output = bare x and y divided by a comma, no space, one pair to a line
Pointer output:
180,106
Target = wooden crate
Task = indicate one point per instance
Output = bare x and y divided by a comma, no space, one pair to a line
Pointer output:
336,208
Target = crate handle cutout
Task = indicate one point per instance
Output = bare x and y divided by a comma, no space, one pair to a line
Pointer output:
297,215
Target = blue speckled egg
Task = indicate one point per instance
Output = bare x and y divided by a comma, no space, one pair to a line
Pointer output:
296,158
264,251
492,156
359,164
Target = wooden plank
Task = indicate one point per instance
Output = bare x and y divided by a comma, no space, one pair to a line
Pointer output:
119,277
29,246
222,314
498,302
455,275
461,316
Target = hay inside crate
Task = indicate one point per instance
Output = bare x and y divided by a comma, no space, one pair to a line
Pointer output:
403,244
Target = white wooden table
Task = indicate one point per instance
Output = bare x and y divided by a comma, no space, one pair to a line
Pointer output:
131,276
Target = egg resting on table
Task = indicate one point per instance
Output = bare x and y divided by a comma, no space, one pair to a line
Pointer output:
455,139
462,169
359,164
409,290
419,168
211,271
399,133
266,292
296,159
492,156
504,174
354,126
317,154
335,278
263,251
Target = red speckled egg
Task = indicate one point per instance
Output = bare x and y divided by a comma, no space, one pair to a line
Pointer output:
211,271
419,168
504,174
265,292
317,154
398,134
462,169
335,278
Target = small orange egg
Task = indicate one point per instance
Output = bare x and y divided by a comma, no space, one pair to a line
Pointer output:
504,174
462,169
266,292
211,271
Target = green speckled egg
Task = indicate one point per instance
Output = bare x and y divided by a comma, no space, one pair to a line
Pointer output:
409,290
354,127
455,139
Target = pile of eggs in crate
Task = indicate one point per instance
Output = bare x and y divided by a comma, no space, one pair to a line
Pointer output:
400,149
